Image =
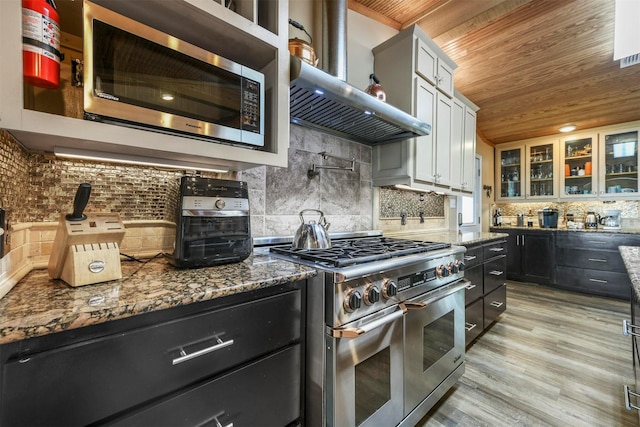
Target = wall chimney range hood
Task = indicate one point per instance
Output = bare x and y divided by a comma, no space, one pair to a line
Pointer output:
327,103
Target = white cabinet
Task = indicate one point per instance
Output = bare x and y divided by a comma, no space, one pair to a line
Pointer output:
418,78
578,154
433,68
255,36
463,144
618,163
527,170
509,172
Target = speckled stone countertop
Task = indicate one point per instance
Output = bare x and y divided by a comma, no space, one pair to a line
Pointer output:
452,237
38,305
572,230
631,257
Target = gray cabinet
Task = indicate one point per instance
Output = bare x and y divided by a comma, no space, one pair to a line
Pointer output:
418,78
530,257
590,262
583,261
485,296
160,367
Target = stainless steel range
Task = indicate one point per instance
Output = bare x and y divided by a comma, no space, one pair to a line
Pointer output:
385,329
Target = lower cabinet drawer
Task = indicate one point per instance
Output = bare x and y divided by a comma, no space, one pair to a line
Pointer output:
495,273
591,259
495,249
473,256
494,304
85,382
475,286
474,319
598,282
264,393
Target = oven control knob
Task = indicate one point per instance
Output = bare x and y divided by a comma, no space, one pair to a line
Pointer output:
459,264
220,204
371,295
454,267
353,301
442,271
389,289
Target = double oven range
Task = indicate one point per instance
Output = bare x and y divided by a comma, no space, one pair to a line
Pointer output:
385,335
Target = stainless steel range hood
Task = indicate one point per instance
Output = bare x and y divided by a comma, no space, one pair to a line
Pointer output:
324,102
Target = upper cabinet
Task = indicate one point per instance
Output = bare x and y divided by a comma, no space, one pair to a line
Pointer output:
618,165
599,164
510,172
580,177
433,67
252,33
418,78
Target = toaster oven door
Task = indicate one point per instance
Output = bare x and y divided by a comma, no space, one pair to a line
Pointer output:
212,240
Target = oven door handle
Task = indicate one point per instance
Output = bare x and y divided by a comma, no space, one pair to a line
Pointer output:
419,305
368,327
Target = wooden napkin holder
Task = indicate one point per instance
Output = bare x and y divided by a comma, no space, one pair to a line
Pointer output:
87,251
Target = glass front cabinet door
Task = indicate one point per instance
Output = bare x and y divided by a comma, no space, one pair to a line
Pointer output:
619,164
579,177
510,176
542,171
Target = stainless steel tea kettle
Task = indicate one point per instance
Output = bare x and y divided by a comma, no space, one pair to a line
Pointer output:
312,235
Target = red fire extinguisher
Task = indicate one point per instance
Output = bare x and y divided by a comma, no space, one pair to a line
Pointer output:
41,43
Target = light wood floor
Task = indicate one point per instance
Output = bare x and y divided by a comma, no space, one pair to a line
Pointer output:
554,358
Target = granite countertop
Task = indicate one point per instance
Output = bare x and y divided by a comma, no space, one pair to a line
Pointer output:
452,237
38,305
579,230
631,257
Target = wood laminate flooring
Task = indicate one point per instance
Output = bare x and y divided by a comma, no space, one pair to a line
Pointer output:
554,358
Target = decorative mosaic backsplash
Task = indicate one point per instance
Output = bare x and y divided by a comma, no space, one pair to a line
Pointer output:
39,187
394,202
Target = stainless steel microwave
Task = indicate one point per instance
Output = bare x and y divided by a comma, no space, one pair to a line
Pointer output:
138,76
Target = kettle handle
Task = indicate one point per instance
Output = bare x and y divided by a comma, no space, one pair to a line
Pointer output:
312,210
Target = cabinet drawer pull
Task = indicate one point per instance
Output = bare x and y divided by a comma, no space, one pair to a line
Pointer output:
216,420
627,398
469,286
496,272
496,249
596,242
628,328
597,260
184,356
469,326
470,257
496,304
598,280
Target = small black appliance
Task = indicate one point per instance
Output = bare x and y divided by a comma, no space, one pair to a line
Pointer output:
213,223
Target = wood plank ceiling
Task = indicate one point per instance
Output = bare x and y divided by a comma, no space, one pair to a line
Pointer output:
530,65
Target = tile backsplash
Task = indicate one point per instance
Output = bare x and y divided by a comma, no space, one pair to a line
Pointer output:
277,195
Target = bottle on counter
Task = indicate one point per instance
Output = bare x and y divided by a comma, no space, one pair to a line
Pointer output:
530,219
497,218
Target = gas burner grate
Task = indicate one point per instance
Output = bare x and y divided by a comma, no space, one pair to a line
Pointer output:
359,251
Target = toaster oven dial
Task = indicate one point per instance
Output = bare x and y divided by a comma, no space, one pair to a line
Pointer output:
220,204
353,301
389,289
371,294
